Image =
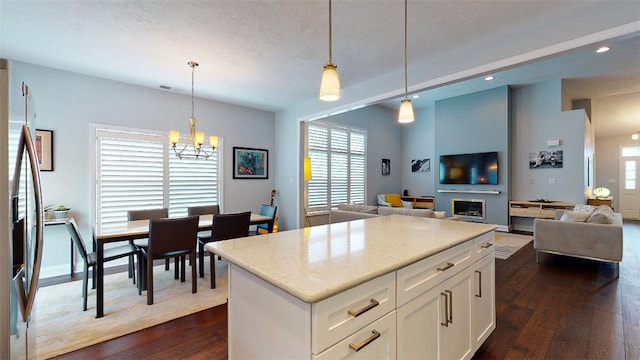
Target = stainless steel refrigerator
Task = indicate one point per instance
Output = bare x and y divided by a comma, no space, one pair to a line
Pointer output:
25,223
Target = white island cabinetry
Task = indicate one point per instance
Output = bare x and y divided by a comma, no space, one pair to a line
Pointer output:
349,291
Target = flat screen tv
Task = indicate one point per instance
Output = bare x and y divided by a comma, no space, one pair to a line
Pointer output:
469,169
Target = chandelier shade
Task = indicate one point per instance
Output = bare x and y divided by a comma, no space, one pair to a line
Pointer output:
330,83
194,147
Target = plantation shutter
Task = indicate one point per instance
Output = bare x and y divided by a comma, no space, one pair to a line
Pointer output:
192,183
338,156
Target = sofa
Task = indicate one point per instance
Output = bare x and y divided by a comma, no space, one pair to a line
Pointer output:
585,232
348,212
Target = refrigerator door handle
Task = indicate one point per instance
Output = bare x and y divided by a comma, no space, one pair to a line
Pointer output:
27,296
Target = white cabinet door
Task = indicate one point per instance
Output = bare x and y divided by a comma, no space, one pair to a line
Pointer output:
419,326
456,338
437,324
483,300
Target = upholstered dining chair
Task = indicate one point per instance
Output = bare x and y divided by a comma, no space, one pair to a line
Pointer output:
171,238
147,214
90,258
266,210
205,235
225,227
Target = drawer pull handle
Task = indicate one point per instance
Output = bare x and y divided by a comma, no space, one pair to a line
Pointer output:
446,310
449,266
358,312
365,342
450,319
486,245
479,294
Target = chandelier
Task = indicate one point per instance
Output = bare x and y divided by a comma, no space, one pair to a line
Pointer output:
194,148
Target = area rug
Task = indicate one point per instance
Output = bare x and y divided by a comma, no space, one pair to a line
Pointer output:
60,326
508,244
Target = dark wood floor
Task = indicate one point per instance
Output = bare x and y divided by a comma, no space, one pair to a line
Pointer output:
562,308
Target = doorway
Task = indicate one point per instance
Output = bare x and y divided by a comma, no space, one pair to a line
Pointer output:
630,182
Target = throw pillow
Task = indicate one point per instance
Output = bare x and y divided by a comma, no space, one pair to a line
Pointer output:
575,216
602,215
440,214
393,199
358,208
584,207
409,212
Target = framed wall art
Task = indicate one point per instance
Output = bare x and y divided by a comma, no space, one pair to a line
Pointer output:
386,167
250,163
44,149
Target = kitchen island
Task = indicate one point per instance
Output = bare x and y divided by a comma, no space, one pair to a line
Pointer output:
386,287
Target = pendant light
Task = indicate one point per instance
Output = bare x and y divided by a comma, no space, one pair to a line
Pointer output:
330,85
405,115
194,147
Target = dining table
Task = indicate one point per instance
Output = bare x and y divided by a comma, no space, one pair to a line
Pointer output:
137,229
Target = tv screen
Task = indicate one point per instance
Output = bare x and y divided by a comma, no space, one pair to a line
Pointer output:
470,169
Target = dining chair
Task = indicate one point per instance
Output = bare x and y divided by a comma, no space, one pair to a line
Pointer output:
266,210
171,238
147,214
203,236
225,227
90,258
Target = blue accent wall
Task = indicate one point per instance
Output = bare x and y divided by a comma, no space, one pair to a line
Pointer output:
477,122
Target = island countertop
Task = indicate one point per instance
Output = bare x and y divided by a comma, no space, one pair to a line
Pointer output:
318,262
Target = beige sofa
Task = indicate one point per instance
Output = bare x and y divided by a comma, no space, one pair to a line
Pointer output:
595,235
347,212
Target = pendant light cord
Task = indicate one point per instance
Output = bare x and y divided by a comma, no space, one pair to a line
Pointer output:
330,36
405,49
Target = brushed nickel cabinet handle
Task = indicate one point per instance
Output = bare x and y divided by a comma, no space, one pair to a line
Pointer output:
446,310
450,319
357,347
486,245
479,294
449,266
358,312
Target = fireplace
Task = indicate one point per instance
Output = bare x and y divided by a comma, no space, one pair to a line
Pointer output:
468,208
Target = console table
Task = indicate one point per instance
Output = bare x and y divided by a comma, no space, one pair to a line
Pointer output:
420,202
597,202
534,209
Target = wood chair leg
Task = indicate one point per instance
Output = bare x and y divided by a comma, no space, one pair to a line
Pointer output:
201,258
166,265
139,274
85,280
176,262
183,263
212,264
149,279
194,278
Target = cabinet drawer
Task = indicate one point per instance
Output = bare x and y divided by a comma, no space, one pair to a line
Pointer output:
417,278
341,315
374,341
484,245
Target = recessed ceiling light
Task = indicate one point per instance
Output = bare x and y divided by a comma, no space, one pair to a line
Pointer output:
603,49
416,96
489,78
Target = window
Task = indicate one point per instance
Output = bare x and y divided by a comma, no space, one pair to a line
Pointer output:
338,156
139,171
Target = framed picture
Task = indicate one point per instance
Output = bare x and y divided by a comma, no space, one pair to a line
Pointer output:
545,159
386,167
421,165
44,149
249,163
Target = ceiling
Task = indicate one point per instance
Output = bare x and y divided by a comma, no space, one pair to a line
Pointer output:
269,54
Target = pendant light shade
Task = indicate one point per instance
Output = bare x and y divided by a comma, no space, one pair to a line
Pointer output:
405,116
330,84
406,112
307,168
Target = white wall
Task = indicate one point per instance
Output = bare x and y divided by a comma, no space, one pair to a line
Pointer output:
68,103
608,163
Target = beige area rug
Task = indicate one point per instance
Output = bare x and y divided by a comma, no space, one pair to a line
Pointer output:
60,326
508,244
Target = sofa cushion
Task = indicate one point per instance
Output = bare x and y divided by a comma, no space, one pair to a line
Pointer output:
410,212
368,209
575,216
602,215
393,199
440,214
